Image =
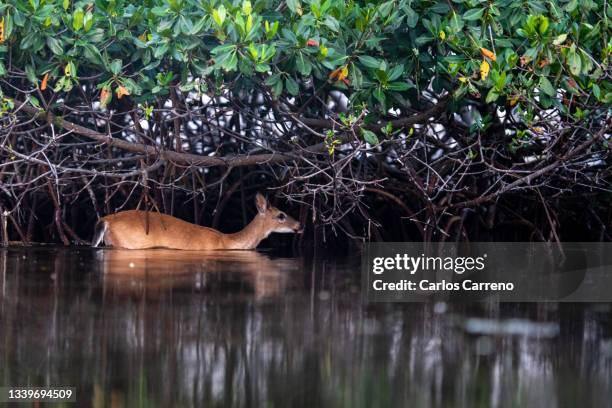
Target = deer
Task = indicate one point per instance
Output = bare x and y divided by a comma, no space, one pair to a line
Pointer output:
137,229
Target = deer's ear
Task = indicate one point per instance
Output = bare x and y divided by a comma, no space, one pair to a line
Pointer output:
261,203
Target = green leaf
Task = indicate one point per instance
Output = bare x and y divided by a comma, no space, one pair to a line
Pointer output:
198,26
222,49
396,72
27,41
277,89
59,84
399,86
573,60
186,87
332,23
423,39
355,76
93,54
219,15
88,21
370,62
55,46
77,20
492,96
547,87
302,64
369,136
587,63
160,11
473,14
440,8
34,101
31,74
186,25
272,80
292,86
382,76
560,39
380,96
161,50
247,8
262,67
385,8
289,36
66,4
19,19
230,63
544,23
73,74
571,6
596,91
294,6
412,18
115,66
271,29
8,25
456,23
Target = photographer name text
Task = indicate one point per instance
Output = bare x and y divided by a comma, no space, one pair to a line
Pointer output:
412,264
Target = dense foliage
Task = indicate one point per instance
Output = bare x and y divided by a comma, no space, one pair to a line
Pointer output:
516,93
512,52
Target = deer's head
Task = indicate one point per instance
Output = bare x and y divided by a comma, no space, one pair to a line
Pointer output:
274,219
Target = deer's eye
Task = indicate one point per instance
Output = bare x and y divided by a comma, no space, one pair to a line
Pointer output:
281,217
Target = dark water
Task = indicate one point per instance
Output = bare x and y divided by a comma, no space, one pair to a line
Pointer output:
164,328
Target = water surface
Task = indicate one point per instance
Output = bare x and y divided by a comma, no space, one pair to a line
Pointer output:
160,328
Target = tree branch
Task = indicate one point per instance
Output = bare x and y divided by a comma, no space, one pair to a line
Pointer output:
535,174
190,159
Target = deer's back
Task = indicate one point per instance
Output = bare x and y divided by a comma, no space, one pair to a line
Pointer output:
136,229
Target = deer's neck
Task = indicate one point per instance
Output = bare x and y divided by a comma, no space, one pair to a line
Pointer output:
249,237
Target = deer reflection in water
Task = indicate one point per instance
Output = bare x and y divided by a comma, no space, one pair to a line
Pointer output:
151,272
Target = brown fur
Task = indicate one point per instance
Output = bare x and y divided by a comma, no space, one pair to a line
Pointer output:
136,229
151,273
